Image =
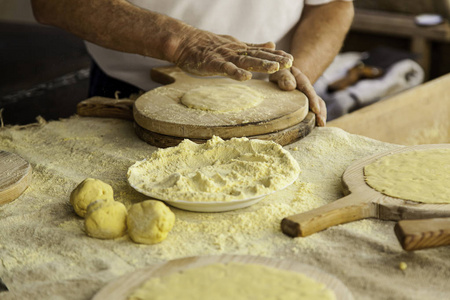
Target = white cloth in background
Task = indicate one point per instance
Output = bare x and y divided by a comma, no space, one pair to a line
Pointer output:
251,21
399,77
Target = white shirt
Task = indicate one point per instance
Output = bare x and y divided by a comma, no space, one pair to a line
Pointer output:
250,21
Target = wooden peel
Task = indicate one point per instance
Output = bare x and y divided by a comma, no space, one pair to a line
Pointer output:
161,111
122,287
103,107
423,234
162,120
363,202
15,176
282,137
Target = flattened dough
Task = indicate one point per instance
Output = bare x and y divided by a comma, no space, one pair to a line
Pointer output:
233,281
217,170
421,176
222,98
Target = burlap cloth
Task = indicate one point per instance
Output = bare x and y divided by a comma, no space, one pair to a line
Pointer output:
45,254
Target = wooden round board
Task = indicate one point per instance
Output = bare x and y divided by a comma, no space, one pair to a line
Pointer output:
15,176
160,110
122,287
363,202
282,137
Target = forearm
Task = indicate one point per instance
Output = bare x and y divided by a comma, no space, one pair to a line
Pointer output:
319,36
107,23
119,25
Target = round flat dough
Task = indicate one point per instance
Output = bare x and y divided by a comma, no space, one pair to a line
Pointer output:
221,98
421,176
217,170
233,281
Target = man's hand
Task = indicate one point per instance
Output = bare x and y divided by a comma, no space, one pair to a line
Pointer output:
204,53
290,79
140,31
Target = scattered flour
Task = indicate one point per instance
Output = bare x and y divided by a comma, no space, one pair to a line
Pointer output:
45,254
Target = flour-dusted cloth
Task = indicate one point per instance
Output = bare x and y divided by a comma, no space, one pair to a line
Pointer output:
46,254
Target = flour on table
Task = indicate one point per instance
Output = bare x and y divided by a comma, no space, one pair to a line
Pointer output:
217,170
421,176
222,98
233,281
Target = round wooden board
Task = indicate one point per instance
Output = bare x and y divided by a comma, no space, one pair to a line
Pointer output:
122,287
161,111
362,201
15,176
282,137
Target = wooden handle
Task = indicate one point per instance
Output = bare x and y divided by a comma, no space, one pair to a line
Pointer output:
353,75
422,234
169,74
106,108
347,209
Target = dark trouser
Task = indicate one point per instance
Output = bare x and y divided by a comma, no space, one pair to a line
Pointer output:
103,85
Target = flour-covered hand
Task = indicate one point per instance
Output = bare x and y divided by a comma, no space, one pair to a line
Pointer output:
293,78
206,54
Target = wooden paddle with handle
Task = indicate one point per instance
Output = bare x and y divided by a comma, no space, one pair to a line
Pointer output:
422,234
163,121
363,202
103,107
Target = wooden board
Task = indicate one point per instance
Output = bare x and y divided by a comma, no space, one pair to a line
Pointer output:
122,287
15,176
419,115
161,111
423,234
363,202
282,137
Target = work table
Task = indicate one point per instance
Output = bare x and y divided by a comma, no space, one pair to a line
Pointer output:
45,253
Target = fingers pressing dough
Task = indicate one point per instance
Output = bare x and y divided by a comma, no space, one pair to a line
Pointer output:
88,191
106,219
149,222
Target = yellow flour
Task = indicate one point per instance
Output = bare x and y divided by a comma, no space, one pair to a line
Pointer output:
215,171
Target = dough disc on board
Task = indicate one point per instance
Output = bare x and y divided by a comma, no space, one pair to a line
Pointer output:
421,176
233,281
222,98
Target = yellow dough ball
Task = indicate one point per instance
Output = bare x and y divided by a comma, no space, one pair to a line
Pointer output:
149,222
106,219
88,191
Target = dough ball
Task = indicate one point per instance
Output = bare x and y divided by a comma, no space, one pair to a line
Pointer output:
88,191
149,222
106,219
